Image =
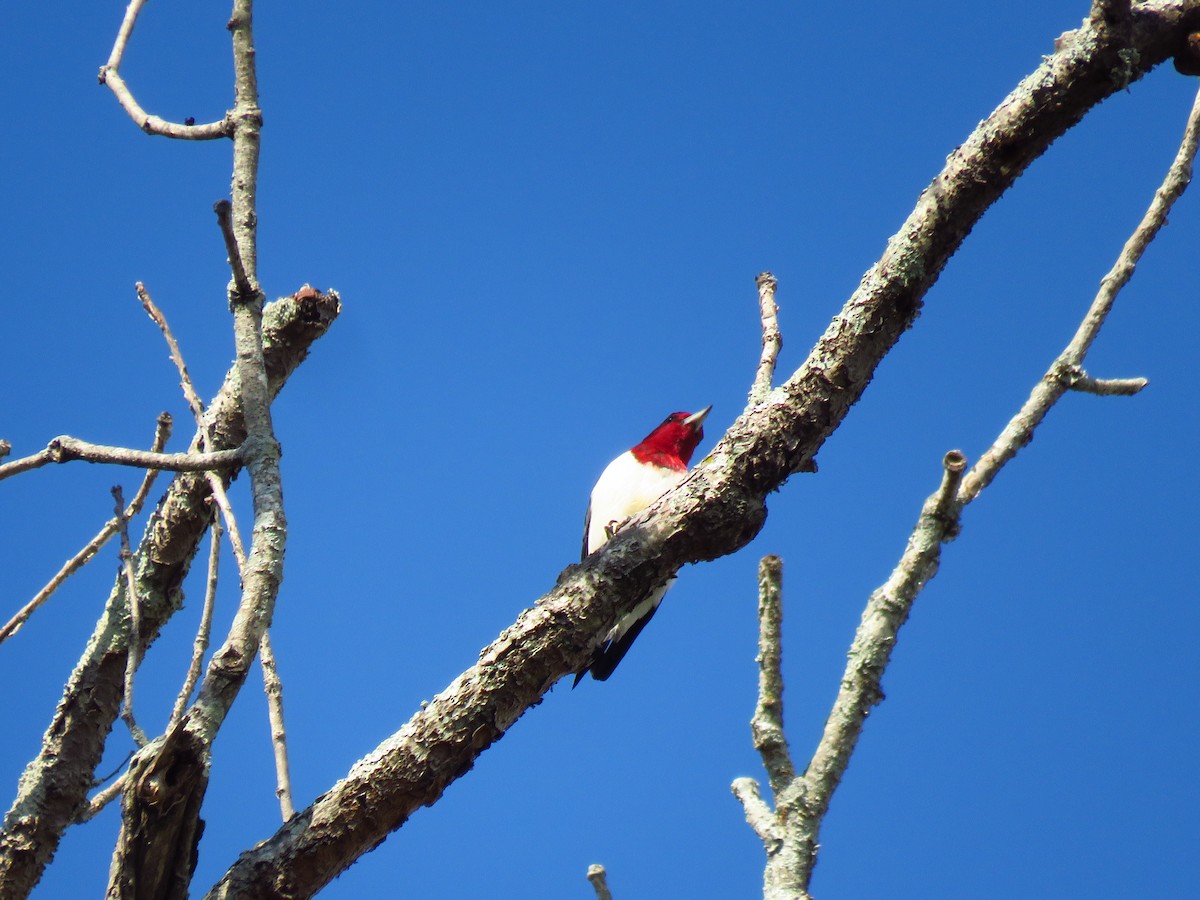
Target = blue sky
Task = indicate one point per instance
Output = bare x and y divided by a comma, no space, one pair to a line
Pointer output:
545,221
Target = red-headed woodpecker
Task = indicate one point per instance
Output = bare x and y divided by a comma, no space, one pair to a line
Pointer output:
629,484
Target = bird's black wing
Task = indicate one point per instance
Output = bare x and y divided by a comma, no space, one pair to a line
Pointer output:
587,526
610,653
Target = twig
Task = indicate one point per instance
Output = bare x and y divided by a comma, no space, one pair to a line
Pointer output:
148,123
197,407
200,645
772,339
1066,371
243,290
134,658
101,800
68,449
5,449
1107,387
274,690
80,559
599,879
106,796
189,390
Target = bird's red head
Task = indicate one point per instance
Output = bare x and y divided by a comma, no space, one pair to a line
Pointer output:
672,443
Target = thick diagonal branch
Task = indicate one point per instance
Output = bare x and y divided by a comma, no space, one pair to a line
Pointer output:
721,506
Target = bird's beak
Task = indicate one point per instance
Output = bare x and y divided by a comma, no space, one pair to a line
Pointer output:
696,419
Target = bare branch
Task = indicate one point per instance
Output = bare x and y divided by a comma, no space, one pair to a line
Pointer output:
200,645
54,785
134,658
243,290
272,684
758,814
599,879
720,507
101,800
274,688
802,805
185,380
264,565
1066,371
5,449
68,449
790,834
767,724
123,33
170,845
887,609
772,340
148,123
197,408
1108,387
80,559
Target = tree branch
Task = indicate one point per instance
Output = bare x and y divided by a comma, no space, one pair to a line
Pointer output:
148,123
152,858
772,339
54,787
65,449
720,507
801,806
767,724
1067,370
134,657
599,879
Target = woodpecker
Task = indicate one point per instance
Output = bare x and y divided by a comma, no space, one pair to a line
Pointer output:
629,484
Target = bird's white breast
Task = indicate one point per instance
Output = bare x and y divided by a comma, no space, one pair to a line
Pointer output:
626,487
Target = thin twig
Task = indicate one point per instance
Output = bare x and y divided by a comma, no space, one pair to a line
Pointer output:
196,405
189,390
772,339
243,289
148,123
101,800
5,449
274,690
200,645
599,879
80,559
134,658
65,449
